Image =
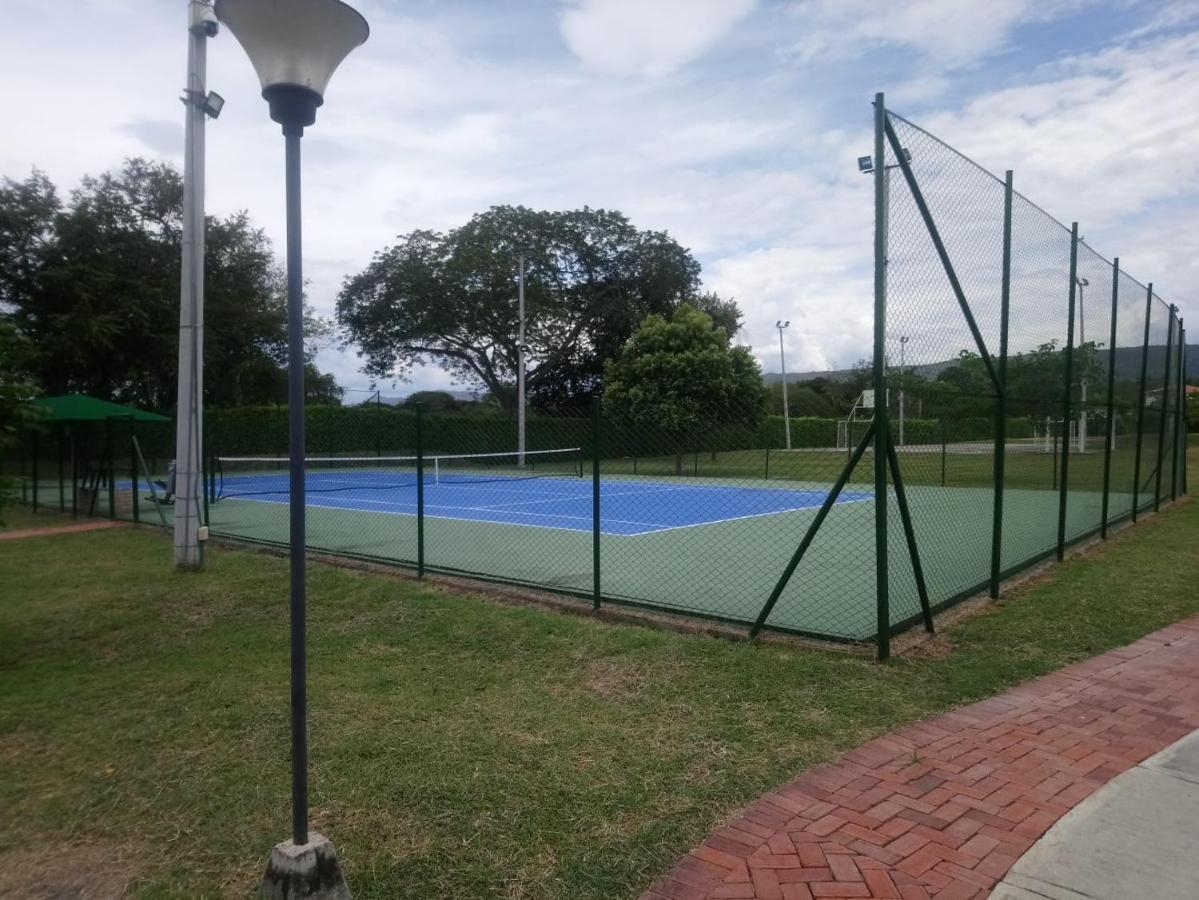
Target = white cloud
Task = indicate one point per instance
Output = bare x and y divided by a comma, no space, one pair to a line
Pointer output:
950,33
635,37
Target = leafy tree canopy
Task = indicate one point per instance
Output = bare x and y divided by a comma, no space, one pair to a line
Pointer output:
680,376
451,298
94,283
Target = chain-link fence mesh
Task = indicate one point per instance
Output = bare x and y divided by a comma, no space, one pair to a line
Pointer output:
1032,399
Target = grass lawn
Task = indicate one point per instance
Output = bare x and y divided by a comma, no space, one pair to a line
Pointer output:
460,748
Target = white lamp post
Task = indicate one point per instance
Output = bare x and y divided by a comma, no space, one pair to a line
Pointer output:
780,325
189,419
295,45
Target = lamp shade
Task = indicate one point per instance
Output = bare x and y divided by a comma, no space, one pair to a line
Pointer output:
295,46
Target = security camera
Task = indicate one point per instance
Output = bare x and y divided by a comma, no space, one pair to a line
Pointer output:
203,19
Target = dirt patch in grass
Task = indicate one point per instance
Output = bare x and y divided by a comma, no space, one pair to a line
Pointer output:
71,871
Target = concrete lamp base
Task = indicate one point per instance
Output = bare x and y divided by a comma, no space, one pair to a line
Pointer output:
308,870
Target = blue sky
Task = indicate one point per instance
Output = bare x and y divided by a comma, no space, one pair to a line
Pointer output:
733,124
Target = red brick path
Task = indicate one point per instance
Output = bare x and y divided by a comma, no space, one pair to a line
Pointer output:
943,808
58,529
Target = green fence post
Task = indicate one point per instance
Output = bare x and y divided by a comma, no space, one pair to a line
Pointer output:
74,477
34,440
420,493
596,431
1001,397
944,441
1063,496
109,471
1182,401
1136,466
134,489
1111,399
1161,431
205,481
21,470
1179,400
881,433
62,477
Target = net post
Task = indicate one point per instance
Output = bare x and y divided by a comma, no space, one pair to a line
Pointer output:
1111,399
1001,398
766,475
34,441
1161,431
596,431
1136,467
205,473
420,493
881,433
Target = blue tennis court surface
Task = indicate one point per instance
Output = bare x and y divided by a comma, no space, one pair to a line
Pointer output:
627,507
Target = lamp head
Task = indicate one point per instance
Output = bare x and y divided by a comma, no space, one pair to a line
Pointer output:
295,46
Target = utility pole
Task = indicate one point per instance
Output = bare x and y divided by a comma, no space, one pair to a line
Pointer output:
780,325
189,415
520,368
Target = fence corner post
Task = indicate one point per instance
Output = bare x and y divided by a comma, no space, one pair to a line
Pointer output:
1064,487
881,431
1111,400
1001,409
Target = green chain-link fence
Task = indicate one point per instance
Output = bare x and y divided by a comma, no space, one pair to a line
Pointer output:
1027,393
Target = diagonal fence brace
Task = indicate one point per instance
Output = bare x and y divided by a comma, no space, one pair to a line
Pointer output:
814,527
909,533
935,234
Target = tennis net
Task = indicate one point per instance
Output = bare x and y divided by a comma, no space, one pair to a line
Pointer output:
245,476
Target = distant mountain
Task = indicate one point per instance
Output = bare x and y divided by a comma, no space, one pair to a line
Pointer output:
1128,365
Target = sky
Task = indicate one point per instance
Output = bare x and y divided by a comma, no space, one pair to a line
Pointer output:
732,124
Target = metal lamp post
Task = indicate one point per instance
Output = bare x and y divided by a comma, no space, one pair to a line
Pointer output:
189,424
780,325
1082,411
295,45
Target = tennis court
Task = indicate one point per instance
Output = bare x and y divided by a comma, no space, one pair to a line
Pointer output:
547,490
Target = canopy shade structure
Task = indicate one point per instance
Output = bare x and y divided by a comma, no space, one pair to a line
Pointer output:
81,408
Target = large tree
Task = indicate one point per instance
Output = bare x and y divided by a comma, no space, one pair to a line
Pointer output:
681,377
451,299
94,283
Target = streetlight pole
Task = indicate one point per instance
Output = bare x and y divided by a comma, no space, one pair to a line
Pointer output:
780,325
1082,410
189,413
520,369
295,47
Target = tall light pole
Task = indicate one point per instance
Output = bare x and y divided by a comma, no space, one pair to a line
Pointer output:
295,47
780,325
520,368
189,417
903,343
1082,413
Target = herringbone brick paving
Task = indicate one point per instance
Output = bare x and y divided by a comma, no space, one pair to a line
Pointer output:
943,808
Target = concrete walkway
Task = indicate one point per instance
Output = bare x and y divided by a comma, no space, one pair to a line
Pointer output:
945,808
22,533
1134,837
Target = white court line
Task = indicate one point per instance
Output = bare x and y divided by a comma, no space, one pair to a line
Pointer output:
655,528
